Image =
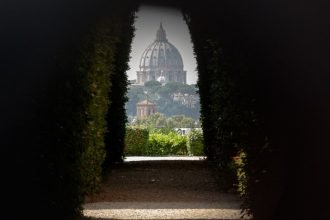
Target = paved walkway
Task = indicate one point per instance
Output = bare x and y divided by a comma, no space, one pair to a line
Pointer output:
169,158
162,189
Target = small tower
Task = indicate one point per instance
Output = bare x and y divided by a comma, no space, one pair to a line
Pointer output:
145,108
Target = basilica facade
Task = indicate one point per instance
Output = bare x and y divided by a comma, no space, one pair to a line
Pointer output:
161,61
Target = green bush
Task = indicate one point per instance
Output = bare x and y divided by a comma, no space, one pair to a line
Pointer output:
166,144
136,141
116,116
195,143
227,176
95,69
84,104
75,164
240,162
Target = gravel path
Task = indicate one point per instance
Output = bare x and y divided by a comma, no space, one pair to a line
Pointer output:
168,189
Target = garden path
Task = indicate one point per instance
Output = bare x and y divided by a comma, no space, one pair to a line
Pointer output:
162,188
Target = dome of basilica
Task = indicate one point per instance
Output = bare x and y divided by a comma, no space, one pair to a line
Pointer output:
161,60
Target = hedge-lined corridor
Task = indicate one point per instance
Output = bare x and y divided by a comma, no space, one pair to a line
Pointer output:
262,84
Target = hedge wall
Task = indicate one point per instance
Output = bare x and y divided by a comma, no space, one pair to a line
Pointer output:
136,141
166,144
116,117
78,131
140,141
195,143
83,103
229,115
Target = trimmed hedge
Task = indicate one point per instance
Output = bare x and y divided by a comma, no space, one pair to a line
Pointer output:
166,144
139,142
240,162
72,167
195,143
230,109
82,106
136,140
122,22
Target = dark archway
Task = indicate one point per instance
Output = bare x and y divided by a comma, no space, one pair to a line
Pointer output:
277,63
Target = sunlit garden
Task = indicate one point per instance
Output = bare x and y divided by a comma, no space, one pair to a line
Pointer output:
158,135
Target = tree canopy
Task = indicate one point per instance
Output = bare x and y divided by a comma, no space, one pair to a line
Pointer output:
163,95
160,121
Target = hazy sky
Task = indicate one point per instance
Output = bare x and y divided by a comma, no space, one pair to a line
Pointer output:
147,24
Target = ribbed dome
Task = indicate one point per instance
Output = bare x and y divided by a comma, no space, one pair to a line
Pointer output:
161,61
161,54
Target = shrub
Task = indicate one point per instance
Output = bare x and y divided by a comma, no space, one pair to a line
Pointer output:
227,176
195,143
166,144
74,166
240,162
116,116
136,140
139,141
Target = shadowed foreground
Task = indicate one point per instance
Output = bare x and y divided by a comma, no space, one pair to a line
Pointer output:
163,190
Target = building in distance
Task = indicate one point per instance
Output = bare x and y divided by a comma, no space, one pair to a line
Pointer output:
161,61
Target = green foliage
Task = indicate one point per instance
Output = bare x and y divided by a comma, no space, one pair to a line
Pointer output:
139,142
136,140
160,121
229,105
181,121
195,143
227,177
151,84
82,106
166,144
135,95
153,121
163,95
97,85
116,117
240,162
72,166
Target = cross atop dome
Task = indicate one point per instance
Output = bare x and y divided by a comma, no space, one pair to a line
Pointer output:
161,34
